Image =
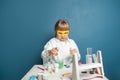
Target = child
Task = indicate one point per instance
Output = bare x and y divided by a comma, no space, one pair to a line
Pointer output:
60,47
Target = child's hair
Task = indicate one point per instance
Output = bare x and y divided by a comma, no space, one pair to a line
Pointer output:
62,25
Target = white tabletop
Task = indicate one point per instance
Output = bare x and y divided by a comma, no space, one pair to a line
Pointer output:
51,76
54,76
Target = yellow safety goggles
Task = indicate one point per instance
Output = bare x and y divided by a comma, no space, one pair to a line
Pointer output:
62,33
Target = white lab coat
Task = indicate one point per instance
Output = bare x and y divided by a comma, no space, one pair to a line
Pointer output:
63,50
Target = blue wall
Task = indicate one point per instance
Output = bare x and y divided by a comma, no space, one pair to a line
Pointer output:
26,25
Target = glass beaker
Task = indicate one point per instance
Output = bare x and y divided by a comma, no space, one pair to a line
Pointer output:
61,63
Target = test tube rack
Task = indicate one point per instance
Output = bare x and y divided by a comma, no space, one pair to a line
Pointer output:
77,69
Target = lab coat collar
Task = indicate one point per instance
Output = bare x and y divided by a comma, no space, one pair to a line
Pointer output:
61,41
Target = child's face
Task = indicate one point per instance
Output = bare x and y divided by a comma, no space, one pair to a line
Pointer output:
62,35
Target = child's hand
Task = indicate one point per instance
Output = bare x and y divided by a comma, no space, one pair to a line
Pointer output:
53,51
73,51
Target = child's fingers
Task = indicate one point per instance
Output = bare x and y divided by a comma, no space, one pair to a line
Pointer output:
56,48
73,51
49,52
54,51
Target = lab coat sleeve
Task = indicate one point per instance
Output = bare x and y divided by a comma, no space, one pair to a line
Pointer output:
49,45
44,55
74,46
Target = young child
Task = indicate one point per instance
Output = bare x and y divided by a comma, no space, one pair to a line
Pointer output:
60,47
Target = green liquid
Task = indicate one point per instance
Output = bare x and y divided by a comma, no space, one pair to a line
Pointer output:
60,64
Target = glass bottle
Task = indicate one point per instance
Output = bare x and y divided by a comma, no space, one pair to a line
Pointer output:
89,56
